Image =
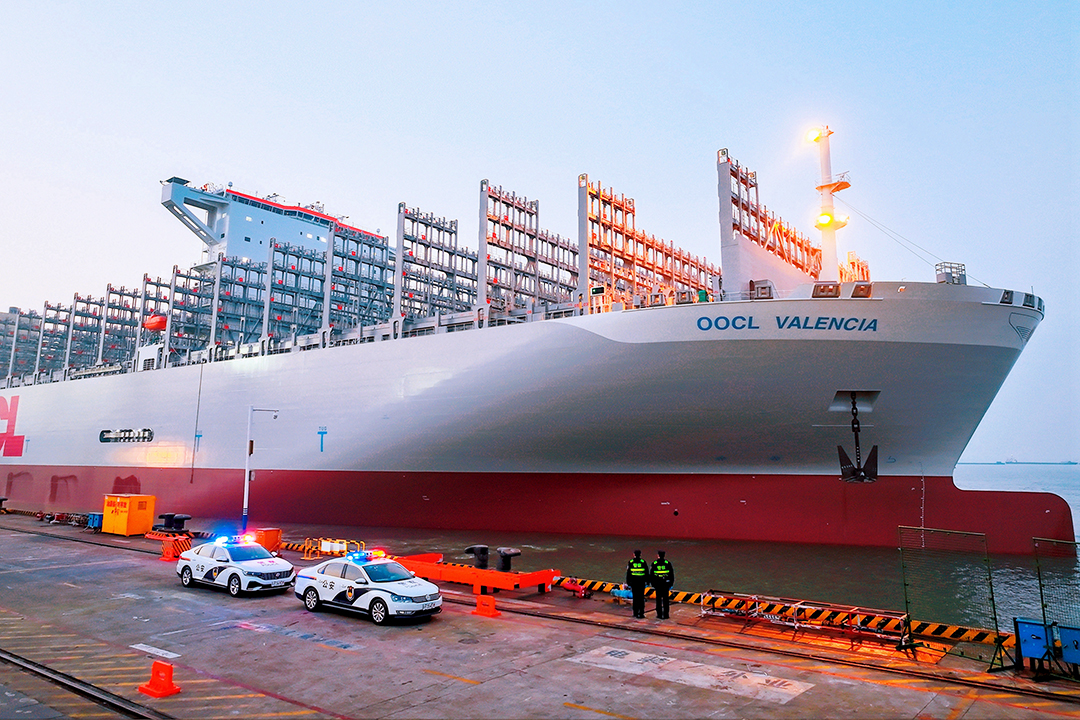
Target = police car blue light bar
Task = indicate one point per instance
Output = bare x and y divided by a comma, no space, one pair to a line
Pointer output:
235,540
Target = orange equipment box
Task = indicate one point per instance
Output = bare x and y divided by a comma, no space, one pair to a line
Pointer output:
269,538
128,514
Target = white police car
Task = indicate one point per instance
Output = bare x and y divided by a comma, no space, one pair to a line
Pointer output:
238,564
370,583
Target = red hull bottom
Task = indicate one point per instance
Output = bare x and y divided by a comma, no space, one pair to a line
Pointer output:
768,508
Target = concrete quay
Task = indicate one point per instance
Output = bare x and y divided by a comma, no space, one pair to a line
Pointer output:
103,608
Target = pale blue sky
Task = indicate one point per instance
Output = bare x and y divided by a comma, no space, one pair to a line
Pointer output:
957,123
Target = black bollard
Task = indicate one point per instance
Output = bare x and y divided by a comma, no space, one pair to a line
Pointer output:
505,553
481,553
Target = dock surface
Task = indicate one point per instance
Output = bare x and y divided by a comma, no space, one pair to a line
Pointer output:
101,609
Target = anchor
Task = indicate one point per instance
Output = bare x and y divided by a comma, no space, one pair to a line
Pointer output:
857,472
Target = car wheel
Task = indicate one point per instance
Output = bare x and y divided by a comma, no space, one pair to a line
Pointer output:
379,613
234,585
311,599
185,577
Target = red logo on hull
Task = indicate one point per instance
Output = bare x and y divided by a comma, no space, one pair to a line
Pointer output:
10,443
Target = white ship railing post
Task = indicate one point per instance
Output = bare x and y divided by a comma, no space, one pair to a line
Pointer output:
248,450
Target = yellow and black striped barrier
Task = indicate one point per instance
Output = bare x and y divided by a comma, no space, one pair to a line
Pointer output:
293,546
959,633
802,613
798,613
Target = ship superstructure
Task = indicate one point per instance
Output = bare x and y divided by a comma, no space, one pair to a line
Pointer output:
609,385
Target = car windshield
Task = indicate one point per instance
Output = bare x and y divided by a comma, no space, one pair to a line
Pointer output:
387,572
240,553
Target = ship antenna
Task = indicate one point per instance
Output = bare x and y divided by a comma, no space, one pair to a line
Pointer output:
828,221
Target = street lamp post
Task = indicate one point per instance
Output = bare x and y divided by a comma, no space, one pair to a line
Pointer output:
247,461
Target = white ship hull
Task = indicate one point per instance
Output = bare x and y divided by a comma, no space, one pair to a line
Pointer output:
606,423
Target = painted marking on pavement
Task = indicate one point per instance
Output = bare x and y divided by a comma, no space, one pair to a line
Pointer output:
118,561
452,677
602,712
154,651
758,686
962,706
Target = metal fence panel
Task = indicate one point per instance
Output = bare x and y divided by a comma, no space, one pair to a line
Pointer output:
947,577
1059,581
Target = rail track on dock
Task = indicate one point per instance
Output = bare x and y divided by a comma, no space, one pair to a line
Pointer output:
67,685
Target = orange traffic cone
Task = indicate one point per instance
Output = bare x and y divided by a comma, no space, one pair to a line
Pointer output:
485,605
161,684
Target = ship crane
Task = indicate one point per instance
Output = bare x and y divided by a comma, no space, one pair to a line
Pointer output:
857,472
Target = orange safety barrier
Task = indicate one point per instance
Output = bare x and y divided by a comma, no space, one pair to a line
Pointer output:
171,544
161,682
485,605
315,548
430,567
171,549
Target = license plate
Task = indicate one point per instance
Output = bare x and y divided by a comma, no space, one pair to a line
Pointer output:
279,583
429,606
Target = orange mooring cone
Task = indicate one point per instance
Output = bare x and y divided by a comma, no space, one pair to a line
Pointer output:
485,605
161,684
171,547
168,550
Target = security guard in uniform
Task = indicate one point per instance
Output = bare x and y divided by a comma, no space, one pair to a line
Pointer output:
662,576
637,577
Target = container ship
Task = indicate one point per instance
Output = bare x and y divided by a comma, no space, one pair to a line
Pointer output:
306,370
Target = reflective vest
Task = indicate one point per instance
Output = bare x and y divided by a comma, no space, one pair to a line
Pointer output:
662,571
638,568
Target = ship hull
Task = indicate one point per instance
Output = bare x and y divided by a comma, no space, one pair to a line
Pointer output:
728,413
764,508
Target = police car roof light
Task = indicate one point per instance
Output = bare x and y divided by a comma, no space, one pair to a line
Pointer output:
234,540
365,555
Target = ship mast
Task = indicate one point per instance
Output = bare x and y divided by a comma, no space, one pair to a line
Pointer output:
828,221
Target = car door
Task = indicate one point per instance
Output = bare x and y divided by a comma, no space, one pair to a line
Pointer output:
220,562
202,563
330,584
356,587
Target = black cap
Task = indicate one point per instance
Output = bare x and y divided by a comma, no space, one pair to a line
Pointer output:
637,553
660,553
